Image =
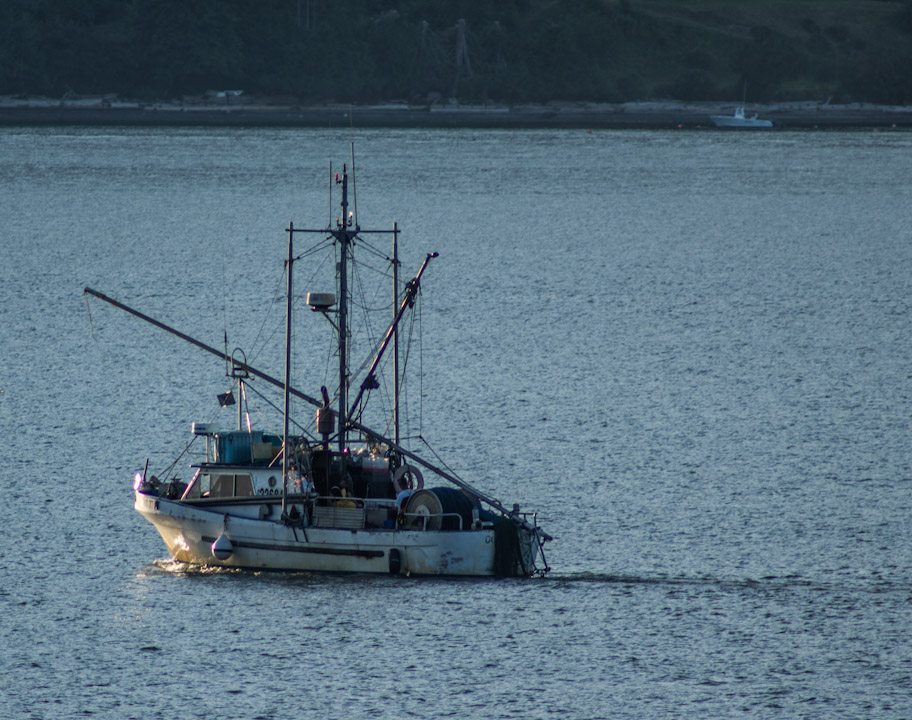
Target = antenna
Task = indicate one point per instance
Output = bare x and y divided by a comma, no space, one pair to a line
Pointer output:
354,188
330,195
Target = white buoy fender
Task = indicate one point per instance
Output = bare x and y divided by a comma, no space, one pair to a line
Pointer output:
222,547
412,475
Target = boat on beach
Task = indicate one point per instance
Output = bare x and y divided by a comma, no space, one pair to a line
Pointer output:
326,492
739,120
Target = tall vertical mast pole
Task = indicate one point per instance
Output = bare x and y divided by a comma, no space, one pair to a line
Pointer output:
343,311
395,333
285,453
240,404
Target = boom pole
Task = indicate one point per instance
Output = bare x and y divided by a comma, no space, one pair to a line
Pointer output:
203,346
493,502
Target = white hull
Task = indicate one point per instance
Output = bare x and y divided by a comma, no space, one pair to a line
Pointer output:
740,120
189,532
727,121
338,497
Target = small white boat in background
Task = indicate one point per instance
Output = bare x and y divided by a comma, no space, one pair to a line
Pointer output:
740,120
330,494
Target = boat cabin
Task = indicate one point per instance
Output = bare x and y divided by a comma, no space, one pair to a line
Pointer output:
244,464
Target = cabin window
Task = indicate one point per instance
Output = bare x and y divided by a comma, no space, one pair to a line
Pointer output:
243,486
221,485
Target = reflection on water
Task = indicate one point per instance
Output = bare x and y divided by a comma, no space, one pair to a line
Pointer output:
687,351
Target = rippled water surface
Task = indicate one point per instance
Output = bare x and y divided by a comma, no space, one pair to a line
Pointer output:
689,351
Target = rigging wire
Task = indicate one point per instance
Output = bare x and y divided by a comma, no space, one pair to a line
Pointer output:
255,345
265,339
439,459
367,328
187,447
327,242
420,367
386,399
386,402
91,324
357,286
374,251
366,304
303,429
368,307
277,295
296,301
299,357
225,312
183,452
405,386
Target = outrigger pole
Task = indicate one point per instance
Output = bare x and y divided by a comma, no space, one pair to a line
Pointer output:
493,502
203,346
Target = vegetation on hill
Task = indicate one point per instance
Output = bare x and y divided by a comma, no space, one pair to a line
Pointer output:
471,50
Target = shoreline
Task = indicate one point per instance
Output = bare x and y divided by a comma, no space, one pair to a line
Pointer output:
655,115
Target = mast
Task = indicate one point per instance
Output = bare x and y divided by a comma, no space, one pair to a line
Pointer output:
395,333
342,235
287,388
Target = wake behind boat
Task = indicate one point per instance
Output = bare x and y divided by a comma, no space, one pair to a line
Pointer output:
331,494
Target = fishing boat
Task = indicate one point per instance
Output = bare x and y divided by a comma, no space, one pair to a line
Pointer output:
739,120
330,494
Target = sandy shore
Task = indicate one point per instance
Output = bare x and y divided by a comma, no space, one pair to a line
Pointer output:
588,116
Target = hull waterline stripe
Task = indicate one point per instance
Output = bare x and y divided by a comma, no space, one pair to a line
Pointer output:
292,548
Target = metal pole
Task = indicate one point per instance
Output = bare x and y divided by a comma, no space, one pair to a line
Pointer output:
240,404
343,312
396,332
287,395
208,348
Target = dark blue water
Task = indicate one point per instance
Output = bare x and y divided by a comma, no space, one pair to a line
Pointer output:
689,351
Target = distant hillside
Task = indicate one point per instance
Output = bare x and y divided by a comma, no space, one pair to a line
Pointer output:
471,50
